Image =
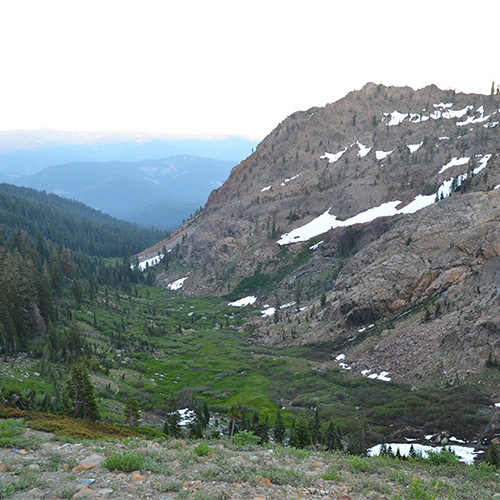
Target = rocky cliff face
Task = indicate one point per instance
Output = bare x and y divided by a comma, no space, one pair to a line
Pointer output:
407,181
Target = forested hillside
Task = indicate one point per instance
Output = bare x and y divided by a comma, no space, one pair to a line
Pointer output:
70,223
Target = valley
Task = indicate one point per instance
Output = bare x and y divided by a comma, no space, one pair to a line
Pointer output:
337,292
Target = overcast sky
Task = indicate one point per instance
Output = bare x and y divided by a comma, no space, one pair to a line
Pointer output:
227,66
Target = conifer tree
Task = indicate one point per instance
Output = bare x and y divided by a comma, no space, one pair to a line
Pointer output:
78,398
332,440
492,457
279,429
315,427
302,437
132,413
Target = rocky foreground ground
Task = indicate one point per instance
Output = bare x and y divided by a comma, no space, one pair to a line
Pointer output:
54,468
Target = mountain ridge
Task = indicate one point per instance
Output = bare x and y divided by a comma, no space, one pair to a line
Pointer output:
129,189
377,148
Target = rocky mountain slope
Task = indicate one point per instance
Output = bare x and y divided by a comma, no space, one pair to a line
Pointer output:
385,202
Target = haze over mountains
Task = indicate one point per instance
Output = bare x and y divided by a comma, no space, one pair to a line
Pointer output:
150,180
386,201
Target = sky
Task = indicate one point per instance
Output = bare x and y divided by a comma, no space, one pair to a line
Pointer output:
227,67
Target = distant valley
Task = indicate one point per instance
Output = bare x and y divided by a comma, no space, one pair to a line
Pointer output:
151,181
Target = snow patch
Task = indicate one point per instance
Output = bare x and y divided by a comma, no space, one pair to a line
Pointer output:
269,311
245,301
267,188
454,162
153,261
384,376
397,118
316,246
381,155
363,150
327,221
333,157
414,147
483,163
176,285
286,181
465,453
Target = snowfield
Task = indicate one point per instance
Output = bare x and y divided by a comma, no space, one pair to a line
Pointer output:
176,285
245,301
327,221
333,157
454,162
465,453
153,261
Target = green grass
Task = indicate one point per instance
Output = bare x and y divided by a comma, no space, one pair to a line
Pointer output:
12,434
25,480
126,462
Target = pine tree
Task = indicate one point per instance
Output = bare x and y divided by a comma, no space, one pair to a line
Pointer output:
315,427
172,427
132,413
206,414
263,431
279,429
302,437
492,457
332,440
236,415
79,399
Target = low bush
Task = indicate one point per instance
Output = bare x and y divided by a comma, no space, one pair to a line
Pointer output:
443,457
202,450
126,462
245,438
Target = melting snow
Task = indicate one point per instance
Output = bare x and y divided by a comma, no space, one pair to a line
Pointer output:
384,376
153,261
414,147
380,155
340,357
450,114
363,150
327,221
441,111
454,162
333,157
316,246
443,105
397,118
176,285
471,119
286,181
245,301
271,310
483,163
465,454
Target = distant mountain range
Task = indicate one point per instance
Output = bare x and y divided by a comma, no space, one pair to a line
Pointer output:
151,180
157,193
26,151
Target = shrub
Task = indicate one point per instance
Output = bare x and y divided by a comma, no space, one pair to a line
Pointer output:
12,434
245,438
444,457
126,462
202,450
